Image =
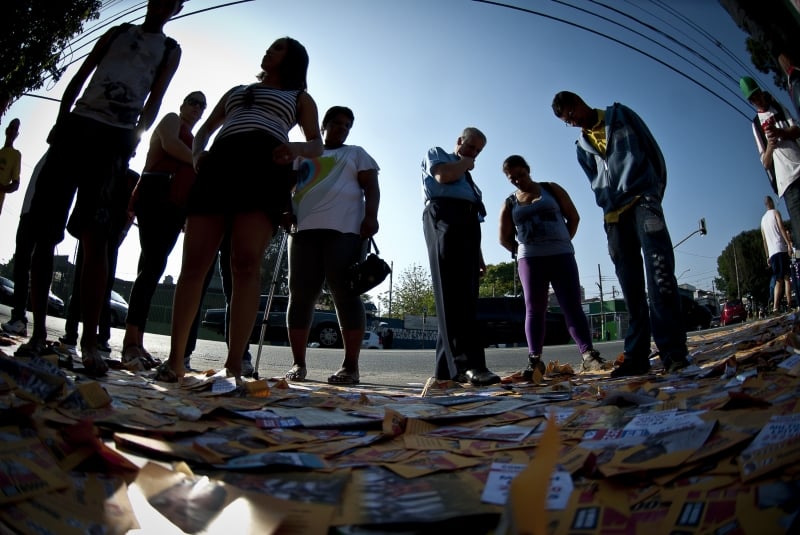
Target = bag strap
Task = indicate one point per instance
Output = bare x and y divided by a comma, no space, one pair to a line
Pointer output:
373,246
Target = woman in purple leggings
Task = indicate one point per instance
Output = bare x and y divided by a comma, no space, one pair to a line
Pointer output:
537,223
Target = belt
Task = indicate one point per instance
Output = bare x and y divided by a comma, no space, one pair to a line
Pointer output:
458,204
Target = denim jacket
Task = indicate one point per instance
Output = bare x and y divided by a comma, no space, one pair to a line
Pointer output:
633,165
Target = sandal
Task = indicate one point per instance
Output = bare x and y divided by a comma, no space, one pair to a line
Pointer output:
132,359
148,360
297,373
344,377
165,374
93,362
32,348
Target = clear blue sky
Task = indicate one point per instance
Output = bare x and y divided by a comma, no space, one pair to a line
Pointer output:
416,72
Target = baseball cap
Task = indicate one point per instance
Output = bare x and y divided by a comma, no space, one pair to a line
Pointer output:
748,86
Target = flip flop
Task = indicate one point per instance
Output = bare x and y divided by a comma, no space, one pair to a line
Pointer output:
344,377
132,359
296,374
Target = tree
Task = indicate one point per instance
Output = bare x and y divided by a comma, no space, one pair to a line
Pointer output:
744,255
34,36
499,280
412,294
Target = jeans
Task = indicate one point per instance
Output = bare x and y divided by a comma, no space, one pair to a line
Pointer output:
641,249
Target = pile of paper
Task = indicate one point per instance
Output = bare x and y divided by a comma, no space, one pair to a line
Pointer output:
714,449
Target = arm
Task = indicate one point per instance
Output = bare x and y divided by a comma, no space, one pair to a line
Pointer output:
507,233
782,229
446,173
157,90
368,180
764,243
308,121
567,207
14,184
214,121
75,85
167,132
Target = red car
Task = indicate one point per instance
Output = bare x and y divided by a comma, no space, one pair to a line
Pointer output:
733,312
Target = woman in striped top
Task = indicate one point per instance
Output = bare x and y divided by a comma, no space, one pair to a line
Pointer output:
243,186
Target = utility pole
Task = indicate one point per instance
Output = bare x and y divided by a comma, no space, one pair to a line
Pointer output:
602,308
391,273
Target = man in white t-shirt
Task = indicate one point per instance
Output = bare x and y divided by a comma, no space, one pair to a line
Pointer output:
777,133
777,245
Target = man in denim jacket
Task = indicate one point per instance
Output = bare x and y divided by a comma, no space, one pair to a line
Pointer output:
628,175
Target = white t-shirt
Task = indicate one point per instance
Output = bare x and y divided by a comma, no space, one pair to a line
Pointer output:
785,157
772,234
328,195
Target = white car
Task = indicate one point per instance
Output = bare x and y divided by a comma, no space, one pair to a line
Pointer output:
371,341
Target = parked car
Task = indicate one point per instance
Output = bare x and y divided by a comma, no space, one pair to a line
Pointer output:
695,315
324,325
6,291
119,309
372,340
55,305
733,311
501,320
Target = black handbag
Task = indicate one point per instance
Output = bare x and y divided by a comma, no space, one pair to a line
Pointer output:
363,276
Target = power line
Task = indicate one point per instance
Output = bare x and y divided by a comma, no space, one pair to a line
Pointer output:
622,43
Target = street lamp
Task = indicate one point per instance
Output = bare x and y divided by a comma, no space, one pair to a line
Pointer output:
684,272
701,230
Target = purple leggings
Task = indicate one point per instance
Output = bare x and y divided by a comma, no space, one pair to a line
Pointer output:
536,275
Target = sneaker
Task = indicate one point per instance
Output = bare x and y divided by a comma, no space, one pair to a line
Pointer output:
592,361
68,349
677,365
247,368
631,367
534,363
93,362
18,327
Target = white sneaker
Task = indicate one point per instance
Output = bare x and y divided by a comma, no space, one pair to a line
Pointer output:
69,349
18,327
247,368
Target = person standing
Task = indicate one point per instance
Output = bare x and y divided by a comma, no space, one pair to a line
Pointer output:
159,201
23,250
777,245
336,205
90,146
10,162
451,222
243,187
537,224
628,175
776,134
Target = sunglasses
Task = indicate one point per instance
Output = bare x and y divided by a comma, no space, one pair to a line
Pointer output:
195,102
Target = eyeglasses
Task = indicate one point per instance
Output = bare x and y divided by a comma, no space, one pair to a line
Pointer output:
195,102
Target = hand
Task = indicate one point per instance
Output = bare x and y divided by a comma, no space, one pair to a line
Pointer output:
369,227
470,161
282,154
198,160
288,221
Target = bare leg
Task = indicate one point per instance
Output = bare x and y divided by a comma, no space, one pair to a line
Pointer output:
352,348
250,236
41,276
200,245
298,339
776,298
95,268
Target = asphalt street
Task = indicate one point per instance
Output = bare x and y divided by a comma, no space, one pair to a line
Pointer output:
395,367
